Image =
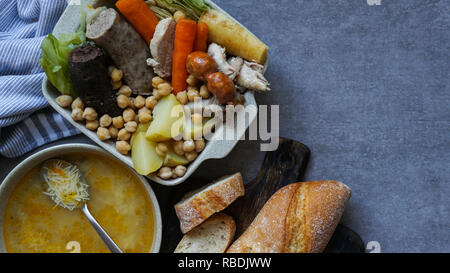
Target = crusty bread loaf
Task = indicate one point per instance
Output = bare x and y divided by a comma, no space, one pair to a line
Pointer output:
212,236
299,218
198,206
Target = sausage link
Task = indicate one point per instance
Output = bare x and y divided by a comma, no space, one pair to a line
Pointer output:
125,46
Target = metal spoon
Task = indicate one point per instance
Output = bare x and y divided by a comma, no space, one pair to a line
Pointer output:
112,246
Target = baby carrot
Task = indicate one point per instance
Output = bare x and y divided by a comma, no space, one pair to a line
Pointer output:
140,16
183,46
201,40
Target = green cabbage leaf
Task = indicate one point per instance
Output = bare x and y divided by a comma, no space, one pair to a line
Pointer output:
55,57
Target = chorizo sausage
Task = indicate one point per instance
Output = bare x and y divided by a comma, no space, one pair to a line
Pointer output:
199,64
222,87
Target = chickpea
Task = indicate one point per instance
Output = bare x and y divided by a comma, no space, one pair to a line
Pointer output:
144,117
139,102
103,134
145,110
188,145
110,69
156,94
178,15
123,101
178,147
157,81
77,114
180,170
113,131
197,118
118,122
194,89
191,156
165,173
204,92
116,85
132,103
92,125
105,121
116,75
200,145
123,135
151,102
182,97
164,89
125,90
77,104
123,147
90,114
129,115
162,149
192,94
192,81
64,101
131,126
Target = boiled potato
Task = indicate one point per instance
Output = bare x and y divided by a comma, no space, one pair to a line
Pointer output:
142,128
144,156
172,159
236,39
167,121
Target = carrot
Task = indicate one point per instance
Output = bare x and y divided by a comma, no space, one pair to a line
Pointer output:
183,46
140,16
201,39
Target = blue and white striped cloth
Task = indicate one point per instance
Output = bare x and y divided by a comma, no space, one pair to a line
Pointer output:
23,26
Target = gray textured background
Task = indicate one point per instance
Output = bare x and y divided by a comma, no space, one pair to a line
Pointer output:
367,89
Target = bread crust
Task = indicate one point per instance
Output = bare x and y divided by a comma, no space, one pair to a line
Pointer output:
267,232
199,208
299,218
218,217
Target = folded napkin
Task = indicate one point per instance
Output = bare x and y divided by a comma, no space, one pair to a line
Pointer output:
23,26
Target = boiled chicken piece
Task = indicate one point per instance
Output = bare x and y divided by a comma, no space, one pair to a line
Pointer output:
236,63
251,77
161,48
218,54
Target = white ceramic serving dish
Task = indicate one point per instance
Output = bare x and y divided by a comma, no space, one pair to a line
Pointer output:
216,148
16,175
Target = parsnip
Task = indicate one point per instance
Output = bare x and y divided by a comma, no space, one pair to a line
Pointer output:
235,38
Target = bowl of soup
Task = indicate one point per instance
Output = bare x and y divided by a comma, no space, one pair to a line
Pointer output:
121,201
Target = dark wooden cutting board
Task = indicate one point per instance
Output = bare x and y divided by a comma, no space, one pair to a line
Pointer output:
284,166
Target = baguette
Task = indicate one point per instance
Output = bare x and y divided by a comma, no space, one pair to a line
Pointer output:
212,236
299,218
198,206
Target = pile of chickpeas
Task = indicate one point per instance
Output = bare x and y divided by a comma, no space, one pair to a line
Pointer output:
138,110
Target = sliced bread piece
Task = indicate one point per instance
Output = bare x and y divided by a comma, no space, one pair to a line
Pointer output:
199,205
212,236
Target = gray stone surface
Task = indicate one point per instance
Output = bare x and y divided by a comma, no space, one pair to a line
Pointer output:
367,89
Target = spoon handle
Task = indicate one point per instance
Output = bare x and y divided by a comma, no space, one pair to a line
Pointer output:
101,232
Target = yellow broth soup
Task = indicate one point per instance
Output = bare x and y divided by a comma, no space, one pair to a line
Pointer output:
119,202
